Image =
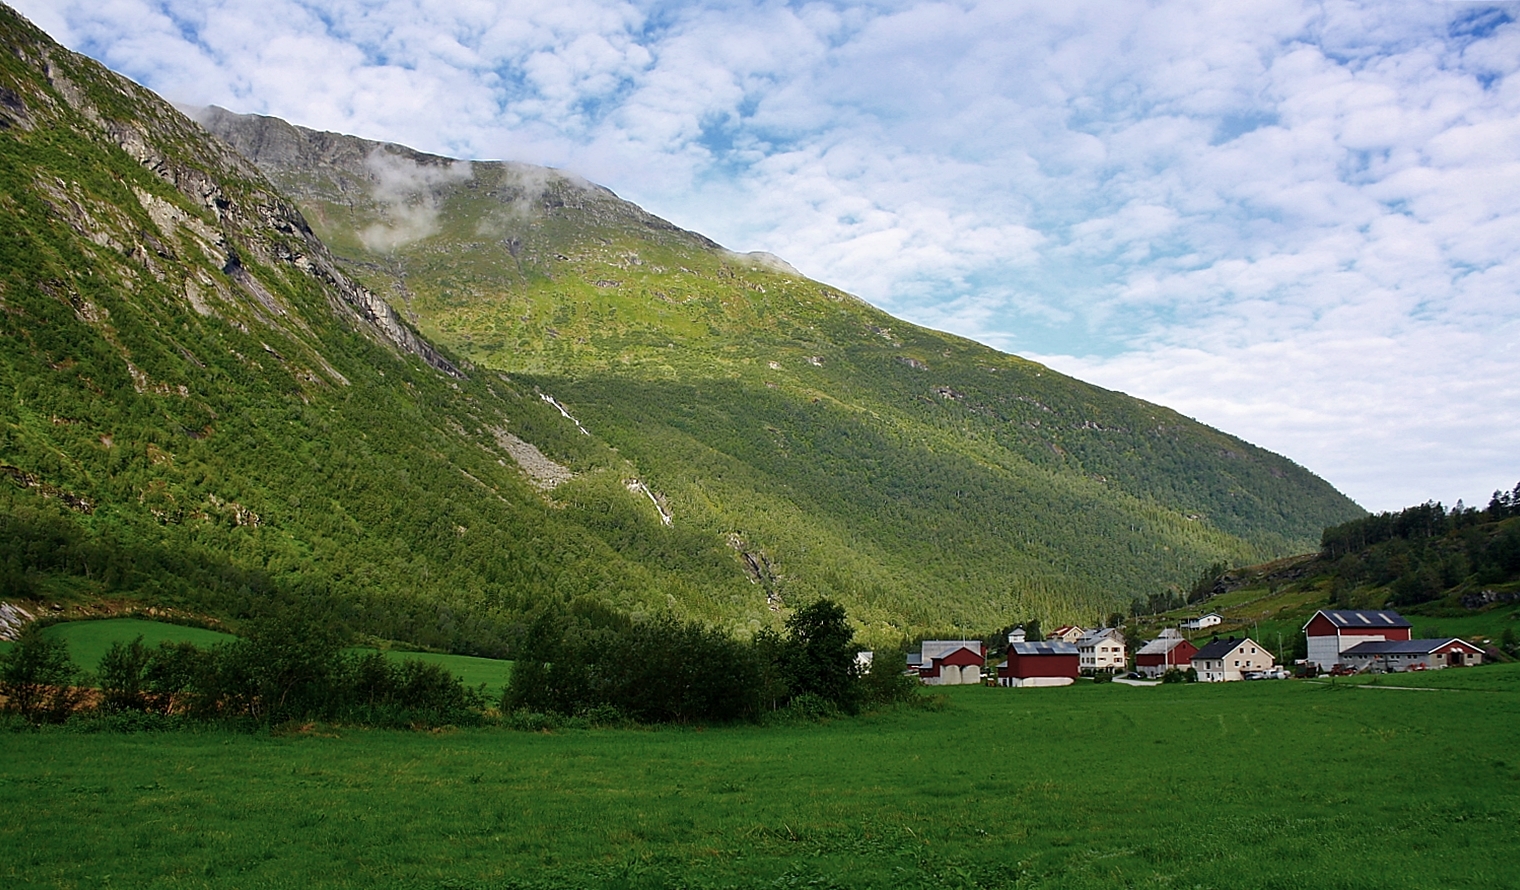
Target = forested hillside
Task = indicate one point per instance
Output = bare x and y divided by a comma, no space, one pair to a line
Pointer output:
1457,568
201,403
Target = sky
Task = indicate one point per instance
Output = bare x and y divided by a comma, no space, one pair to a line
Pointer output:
1298,222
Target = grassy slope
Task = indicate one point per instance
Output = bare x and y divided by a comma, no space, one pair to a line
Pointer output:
365,471
907,471
177,350
1261,785
1273,601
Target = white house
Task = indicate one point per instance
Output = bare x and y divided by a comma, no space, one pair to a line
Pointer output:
1213,619
1101,650
1226,660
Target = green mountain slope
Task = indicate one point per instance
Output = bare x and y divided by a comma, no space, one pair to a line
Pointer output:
921,471
204,400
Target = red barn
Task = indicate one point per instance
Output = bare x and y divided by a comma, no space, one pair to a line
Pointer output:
1165,652
1332,631
950,662
1051,663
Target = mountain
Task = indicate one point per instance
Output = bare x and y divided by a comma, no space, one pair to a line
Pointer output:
447,391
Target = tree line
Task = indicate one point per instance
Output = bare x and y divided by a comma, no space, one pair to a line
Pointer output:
292,664
585,660
1428,520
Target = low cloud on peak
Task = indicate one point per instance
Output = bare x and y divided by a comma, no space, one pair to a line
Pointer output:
1298,221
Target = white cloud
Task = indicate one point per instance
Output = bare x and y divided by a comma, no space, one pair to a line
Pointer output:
1298,221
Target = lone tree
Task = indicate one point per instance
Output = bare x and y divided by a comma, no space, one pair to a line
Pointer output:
821,655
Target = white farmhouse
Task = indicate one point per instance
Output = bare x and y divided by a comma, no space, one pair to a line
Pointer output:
1213,619
1226,660
1101,650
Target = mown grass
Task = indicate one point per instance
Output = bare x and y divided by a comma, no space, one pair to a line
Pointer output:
89,640
1284,784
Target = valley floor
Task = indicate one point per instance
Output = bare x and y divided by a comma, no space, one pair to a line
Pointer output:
1271,784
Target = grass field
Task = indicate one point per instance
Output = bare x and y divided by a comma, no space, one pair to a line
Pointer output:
89,640
1284,784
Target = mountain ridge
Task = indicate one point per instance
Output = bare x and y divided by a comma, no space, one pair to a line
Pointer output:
450,389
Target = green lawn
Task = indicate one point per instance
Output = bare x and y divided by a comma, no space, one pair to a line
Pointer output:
89,640
493,672
1285,784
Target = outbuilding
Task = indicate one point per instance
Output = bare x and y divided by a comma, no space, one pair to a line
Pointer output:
1330,632
1050,663
1166,652
1406,655
950,662
1227,660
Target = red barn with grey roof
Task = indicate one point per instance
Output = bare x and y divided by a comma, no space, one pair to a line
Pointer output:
1331,632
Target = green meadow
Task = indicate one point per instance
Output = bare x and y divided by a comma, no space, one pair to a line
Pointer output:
1270,784
89,640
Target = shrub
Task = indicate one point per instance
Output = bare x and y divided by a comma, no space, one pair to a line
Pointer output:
1174,675
123,677
37,679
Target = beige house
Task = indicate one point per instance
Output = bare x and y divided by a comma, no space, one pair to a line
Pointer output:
1101,650
1226,660
1066,633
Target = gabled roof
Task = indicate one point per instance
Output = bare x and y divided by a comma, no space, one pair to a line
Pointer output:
932,649
1049,647
1220,648
1361,619
1161,645
1102,633
1404,647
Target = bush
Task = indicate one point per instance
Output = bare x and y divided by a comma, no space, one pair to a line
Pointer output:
1174,675
123,677
38,679
885,683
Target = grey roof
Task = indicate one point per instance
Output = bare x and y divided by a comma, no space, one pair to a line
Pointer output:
1093,636
1364,618
1160,645
1401,647
1218,648
1049,647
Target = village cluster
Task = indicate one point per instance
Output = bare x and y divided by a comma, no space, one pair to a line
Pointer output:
1339,640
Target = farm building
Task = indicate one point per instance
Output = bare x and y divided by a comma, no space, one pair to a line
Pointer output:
1405,655
1051,663
1101,650
1213,619
1066,633
1331,632
1163,653
949,662
1226,660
